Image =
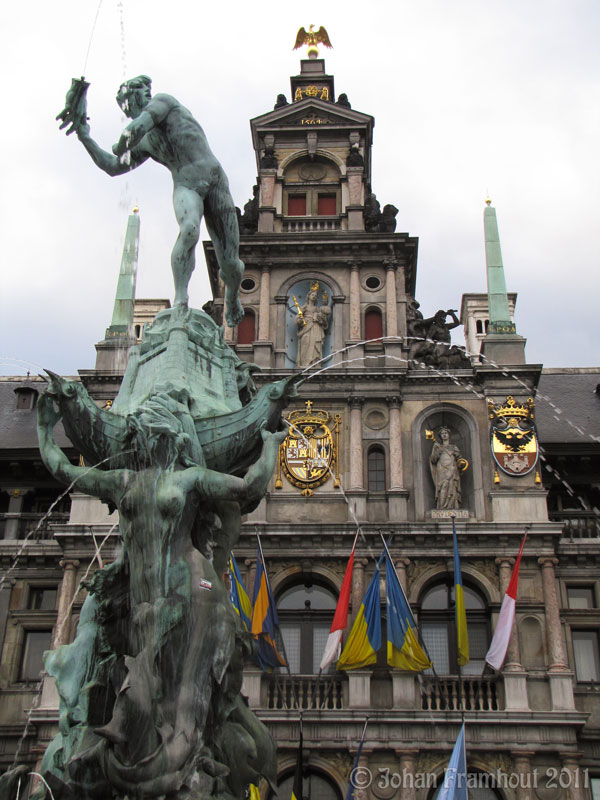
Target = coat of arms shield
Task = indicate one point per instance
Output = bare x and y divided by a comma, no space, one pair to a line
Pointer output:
513,438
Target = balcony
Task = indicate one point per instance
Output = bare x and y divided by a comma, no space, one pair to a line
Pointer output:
577,524
311,224
478,694
26,525
305,691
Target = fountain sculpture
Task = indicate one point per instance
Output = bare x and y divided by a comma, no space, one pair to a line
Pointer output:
150,702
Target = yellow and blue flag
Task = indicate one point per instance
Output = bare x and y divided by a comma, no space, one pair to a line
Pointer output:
403,648
364,639
462,637
264,619
239,596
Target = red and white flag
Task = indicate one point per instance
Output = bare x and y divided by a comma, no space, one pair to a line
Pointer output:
333,647
497,653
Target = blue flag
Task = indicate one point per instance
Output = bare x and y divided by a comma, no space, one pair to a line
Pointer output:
454,786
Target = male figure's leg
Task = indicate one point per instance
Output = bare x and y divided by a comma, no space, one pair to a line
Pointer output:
222,224
188,212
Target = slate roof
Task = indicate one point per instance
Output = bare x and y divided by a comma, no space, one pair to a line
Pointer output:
568,406
18,427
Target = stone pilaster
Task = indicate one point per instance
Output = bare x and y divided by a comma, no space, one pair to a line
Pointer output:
68,589
355,334
15,509
573,776
407,759
401,564
358,584
264,303
525,787
391,308
561,679
396,467
356,443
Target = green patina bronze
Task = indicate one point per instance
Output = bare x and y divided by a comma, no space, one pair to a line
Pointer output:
164,130
150,702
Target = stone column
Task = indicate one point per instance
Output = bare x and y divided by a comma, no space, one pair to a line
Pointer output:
572,776
513,653
355,333
358,584
396,471
401,564
407,772
361,776
264,303
556,645
68,589
525,787
561,679
390,298
356,443
15,509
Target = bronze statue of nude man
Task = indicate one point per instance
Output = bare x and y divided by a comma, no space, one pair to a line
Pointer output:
162,129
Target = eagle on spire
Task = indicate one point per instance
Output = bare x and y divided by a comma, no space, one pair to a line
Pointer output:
312,38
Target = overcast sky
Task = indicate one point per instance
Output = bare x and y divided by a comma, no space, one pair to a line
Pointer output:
468,96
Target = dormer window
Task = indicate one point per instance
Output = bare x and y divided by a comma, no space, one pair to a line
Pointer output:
26,398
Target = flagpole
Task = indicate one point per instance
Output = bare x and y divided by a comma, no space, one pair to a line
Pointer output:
460,675
421,642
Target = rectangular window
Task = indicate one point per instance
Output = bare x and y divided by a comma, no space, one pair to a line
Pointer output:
595,787
42,598
581,597
585,650
291,638
320,636
34,645
435,638
327,205
296,205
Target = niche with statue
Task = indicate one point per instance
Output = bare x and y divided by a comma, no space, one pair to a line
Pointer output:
309,323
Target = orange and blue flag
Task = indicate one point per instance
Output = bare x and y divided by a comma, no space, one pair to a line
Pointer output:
403,648
264,619
462,637
239,596
364,639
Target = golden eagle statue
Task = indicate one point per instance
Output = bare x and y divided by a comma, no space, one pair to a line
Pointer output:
312,38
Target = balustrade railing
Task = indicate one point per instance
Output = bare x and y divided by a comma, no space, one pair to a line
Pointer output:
305,691
443,694
577,524
308,224
27,524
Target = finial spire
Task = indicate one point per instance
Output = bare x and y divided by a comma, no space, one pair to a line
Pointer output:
500,321
122,317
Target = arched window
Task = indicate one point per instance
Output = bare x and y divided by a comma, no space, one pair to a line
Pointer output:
246,328
479,326
376,469
305,612
438,628
373,324
311,187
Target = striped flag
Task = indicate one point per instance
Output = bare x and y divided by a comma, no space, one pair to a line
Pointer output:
454,786
333,645
365,637
462,637
239,597
497,653
403,648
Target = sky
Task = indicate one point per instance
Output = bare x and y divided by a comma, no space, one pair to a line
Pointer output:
469,98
